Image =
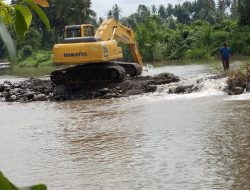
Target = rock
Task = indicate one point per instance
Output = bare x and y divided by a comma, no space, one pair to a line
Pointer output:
12,98
104,91
6,87
40,97
165,78
17,90
1,87
151,88
29,95
183,89
248,87
238,83
6,82
107,96
237,90
16,85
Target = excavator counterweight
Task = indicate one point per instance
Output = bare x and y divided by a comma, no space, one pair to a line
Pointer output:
94,56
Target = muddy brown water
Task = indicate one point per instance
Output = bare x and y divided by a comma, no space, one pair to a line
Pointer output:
151,141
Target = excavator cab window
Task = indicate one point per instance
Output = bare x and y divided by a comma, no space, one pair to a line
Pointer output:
73,33
88,31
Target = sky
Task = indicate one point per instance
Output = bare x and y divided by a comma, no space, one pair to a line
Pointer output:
101,7
128,6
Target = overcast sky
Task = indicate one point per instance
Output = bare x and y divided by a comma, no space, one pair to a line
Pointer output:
101,7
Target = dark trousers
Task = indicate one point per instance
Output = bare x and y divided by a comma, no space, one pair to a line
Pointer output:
225,63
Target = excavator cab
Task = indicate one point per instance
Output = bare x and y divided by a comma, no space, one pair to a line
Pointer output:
76,31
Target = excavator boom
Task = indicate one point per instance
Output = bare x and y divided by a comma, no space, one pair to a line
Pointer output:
111,29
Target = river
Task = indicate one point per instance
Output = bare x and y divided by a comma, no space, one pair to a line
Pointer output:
151,141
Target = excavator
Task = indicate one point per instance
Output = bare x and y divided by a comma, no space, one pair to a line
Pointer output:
94,57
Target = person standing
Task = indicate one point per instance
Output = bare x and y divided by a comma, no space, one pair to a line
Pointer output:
225,54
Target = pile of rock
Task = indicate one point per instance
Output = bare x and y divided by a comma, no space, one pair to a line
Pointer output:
35,89
130,86
26,91
238,83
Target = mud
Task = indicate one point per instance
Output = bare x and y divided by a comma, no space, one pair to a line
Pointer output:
35,89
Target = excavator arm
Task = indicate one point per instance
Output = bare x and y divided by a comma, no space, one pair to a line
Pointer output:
110,29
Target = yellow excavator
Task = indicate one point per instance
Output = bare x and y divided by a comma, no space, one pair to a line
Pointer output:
95,57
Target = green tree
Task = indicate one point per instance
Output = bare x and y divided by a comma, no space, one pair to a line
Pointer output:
142,13
204,10
74,11
234,10
244,13
162,12
153,9
169,10
116,12
183,12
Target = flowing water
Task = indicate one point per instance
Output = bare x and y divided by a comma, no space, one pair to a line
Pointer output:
152,141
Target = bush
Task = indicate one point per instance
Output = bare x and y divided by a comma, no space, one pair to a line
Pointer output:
159,51
197,53
246,50
25,52
40,58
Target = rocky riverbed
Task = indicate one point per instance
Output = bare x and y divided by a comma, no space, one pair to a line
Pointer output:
35,89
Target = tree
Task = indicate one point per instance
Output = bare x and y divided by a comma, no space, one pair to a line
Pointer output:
244,13
234,10
169,11
183,12
153,9
162,12
204,10
142,12
116,12
74,11
109,14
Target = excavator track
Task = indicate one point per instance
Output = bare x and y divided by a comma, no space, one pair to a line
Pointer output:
132,69
91,73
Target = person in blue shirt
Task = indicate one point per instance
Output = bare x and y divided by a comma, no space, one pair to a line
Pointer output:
225,54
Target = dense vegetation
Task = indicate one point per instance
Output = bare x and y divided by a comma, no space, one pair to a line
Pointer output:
191,30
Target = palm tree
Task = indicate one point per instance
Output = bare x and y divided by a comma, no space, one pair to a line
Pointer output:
116,12
74,11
